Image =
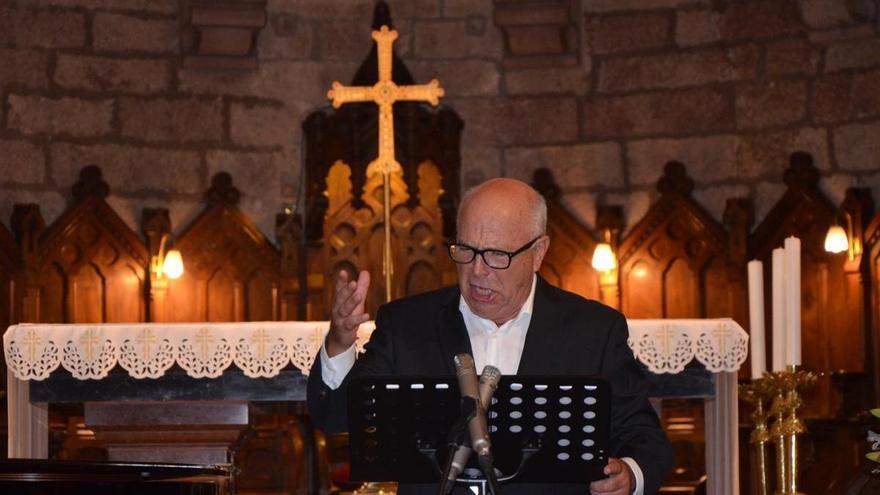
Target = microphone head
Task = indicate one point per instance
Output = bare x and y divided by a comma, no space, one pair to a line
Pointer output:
464,363
490,376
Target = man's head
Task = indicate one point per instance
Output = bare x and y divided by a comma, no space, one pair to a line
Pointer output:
505,215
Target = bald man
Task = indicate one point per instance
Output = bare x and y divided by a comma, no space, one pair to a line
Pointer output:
505,315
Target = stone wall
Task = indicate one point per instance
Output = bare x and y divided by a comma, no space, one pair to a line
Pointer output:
603,92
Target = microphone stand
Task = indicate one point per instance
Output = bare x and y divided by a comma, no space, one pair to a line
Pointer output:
458,436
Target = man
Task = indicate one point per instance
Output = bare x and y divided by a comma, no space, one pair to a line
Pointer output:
505,315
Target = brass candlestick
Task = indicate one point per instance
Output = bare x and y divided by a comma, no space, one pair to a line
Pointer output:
755,393
786,386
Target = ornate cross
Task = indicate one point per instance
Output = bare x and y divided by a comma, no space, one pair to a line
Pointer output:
203,338
384,93
146,339
665,333
722,333
31,341
89,339
261,338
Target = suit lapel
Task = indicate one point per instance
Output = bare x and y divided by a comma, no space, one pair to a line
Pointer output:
451,332
544,337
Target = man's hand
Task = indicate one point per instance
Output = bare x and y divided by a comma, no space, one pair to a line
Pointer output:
620,480
348,312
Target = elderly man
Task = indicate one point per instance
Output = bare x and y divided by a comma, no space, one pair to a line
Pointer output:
504,315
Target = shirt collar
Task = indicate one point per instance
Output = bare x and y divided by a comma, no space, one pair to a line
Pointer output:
490,326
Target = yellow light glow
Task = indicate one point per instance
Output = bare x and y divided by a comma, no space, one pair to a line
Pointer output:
603,257
173,266
836,240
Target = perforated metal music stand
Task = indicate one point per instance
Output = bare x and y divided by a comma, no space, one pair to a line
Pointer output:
543,429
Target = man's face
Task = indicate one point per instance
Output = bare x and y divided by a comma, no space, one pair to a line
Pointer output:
491,293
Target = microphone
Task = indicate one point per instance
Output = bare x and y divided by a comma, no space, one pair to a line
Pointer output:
466,373
488,384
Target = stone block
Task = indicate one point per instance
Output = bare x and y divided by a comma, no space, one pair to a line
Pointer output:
345,39
766,195
835,185
24,162
852,55
130,169
765,155
466,8
673,70
621,33
121,32
288,36
708,159
825,14
579,166
831,36
52,203
404,9
697,27
98,74
493,122
257,124
289,81
714,199
536,40
582,205
163,120
154,6
549,80
454,39
25,27
547,12
23,68
769,104
478,164
794,56
258,176
759,19
857,146
623,5
460,77
60,116
846,96
697,110
325,9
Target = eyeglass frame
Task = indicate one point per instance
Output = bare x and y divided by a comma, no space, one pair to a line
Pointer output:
510,254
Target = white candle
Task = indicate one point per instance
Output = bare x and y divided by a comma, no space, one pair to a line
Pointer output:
793,300
778,309
756,318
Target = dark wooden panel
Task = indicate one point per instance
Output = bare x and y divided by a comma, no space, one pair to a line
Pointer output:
88,266
232,271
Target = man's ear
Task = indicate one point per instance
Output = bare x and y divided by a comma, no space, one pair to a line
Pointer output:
541,247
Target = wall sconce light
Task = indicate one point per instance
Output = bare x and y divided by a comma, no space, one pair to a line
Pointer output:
836,240
167,263
603,256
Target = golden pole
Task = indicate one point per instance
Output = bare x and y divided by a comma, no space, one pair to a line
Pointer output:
387,265
755,393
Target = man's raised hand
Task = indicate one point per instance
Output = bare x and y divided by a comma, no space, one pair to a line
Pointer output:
348,311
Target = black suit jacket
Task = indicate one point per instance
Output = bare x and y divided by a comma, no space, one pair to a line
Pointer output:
568,334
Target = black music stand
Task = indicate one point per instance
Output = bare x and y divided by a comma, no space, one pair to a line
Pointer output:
543,429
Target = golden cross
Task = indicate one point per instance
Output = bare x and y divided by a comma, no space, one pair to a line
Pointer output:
722,332
384,93
89,340
261,337
665,334
145,340
204,338
31,341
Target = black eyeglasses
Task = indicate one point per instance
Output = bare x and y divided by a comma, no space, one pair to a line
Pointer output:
493,258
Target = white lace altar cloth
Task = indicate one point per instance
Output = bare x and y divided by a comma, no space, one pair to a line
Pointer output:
262,349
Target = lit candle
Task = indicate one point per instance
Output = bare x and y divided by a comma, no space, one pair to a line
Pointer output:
778,309
793,301
756,318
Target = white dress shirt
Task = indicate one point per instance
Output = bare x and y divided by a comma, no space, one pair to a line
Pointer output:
500,346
